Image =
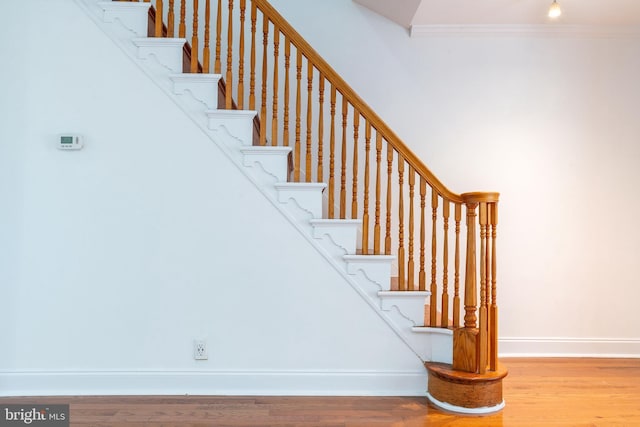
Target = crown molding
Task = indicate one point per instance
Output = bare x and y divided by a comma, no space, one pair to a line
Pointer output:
535,30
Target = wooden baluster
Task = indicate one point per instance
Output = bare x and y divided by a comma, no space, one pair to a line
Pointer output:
465,351
343,164
320,172
387,237
365,213
308,158
207,29
493,327
274,112
376,226
422,275
410,264
287,64
159,16
434,285
252,72
229,80
170,20
444,322
456,279
296,166
194,39
332,154
354,172
263,105
402,284
482,356
182,26
217,67
240,101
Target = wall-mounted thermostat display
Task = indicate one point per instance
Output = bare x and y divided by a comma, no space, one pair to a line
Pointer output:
70,141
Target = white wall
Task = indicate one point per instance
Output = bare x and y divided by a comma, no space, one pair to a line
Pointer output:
551,123
116,257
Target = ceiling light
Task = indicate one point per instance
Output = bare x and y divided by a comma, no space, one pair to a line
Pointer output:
554,10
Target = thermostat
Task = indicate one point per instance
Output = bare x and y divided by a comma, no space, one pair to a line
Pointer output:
70,141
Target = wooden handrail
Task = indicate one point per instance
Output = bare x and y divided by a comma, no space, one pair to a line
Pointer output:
360,105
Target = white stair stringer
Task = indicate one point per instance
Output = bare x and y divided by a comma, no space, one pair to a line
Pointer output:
409,304
132,15
232,129
272,160
167,52
202,87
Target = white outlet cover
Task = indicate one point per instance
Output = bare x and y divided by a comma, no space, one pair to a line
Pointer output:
200,350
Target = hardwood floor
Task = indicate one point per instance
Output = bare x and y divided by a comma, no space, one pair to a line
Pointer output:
538,392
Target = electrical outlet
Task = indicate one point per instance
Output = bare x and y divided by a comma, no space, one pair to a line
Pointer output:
200,350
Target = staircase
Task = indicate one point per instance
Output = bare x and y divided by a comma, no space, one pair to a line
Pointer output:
358,205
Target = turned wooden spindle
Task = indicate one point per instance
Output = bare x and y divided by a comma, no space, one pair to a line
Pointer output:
320,171
387,236
308,152
410,263
171,17
456,277
206,51
376,226
444,322
422,275
229,77
332,154
263,104
240,100
296,149
252,71
354,170
493,326
194,39
159,15
287,94
402,284
343,163
217,66
182,25
482,355
274,107
365,209
433,303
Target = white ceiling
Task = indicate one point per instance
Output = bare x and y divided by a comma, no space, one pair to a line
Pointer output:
408,13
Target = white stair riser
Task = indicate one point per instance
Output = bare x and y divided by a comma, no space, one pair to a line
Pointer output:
343,233
202,87
410,304
274,162
377,271
132,15
308,198
238,123
167,52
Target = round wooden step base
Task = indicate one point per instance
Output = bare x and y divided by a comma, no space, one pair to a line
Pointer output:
465,392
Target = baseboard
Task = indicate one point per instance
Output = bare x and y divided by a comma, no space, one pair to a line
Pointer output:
239,383
569,347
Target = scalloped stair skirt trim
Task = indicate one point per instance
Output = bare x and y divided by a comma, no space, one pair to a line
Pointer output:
302,204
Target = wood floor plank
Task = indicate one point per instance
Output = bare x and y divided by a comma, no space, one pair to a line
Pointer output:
538,392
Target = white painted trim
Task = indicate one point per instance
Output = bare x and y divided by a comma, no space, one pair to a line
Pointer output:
239,383
569,347
546,30
463,410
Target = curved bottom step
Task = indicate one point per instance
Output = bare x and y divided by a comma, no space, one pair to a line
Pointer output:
465,392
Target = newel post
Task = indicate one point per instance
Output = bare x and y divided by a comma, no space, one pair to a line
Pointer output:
470,342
